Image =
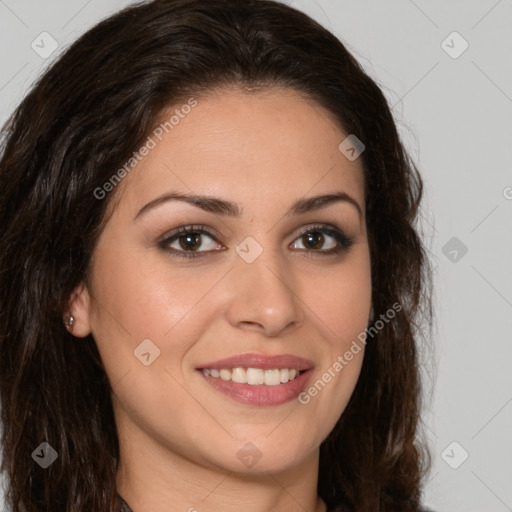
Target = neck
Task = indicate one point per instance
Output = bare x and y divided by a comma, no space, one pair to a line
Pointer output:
152,477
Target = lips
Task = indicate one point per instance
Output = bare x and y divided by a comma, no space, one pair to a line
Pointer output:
270,383
260,361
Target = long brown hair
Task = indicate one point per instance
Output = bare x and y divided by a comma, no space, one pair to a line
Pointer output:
79,123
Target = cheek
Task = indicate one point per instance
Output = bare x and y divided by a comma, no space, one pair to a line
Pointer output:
341,300
146,295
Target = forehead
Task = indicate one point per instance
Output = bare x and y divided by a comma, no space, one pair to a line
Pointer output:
263,147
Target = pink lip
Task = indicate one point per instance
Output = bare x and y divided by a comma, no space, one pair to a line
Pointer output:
260,395
260,361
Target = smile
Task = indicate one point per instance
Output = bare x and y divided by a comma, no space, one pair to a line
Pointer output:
270,392
254,376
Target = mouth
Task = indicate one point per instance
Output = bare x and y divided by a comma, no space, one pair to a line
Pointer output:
255,376
259,380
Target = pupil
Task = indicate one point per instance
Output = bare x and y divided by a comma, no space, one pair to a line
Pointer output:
315,239
192,241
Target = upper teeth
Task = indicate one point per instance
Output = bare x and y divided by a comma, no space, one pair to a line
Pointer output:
254,376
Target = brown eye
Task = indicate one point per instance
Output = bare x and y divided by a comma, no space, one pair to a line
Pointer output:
190,241
186,241
313,240
323,240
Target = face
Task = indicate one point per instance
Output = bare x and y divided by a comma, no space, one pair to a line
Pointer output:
249,268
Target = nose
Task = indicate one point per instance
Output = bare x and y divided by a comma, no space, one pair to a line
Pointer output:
263,296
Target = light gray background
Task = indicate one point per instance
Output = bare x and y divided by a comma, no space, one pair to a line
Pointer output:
455,116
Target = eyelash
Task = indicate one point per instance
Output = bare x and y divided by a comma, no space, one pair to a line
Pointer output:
344,242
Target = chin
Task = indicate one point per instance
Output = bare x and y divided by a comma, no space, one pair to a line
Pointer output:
264,455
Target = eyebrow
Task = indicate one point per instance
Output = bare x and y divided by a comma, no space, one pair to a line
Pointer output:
227,208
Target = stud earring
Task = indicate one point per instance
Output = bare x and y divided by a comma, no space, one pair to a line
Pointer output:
70,322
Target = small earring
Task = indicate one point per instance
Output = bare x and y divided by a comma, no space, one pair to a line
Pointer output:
70,322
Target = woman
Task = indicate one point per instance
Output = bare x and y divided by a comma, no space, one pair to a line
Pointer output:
210,277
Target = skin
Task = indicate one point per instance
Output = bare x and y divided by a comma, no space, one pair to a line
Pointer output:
179,437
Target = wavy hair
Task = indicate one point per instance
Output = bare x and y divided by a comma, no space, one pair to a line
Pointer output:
82,119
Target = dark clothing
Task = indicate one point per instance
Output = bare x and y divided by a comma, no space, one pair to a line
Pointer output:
125,508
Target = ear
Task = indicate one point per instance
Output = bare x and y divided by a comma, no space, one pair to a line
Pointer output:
80,308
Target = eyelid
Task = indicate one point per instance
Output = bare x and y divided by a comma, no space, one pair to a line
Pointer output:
322,226
189,228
